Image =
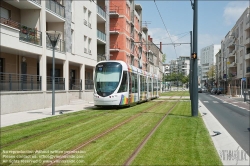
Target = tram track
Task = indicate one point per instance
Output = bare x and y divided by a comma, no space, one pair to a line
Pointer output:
52,129
93,139
141,145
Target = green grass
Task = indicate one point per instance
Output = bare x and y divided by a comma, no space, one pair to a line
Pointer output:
175,93
116,147
180,140
67,137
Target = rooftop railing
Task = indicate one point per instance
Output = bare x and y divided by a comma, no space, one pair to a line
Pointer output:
20,82
55,7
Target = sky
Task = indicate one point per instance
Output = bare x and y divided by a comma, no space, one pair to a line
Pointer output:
215,19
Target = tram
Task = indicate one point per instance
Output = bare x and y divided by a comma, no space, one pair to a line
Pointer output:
119,84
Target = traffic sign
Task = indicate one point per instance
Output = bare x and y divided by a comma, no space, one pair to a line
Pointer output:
244,79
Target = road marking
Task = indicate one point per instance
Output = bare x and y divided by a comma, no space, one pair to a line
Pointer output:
225,102
235,102
215,101
205,101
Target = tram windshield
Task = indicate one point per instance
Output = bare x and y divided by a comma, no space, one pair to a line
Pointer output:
107,77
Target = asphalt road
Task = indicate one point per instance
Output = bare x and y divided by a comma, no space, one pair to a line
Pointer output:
234,119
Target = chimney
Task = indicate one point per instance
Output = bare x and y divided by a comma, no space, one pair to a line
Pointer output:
160,46
149,37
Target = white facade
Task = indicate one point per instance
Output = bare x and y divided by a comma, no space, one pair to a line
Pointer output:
207,59
235,53
26,51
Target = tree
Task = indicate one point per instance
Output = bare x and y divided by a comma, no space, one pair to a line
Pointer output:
164,58
211,73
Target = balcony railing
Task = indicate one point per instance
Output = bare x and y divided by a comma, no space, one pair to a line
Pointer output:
101,35
36,1
248,69
101,11
59,47
114,46
20,82
89,84
59,83
31,35
27,34
85,50
114,10
90,52
56,7
75,84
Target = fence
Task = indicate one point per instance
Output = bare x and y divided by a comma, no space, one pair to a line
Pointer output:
75,84
89,84
19,82
59,83
55,7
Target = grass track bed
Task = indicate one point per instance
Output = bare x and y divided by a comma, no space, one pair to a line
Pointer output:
62,139
117,146
175,93
180,140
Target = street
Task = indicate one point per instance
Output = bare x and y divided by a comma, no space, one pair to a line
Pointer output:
233,116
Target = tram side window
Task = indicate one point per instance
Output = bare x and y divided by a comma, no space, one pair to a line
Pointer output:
134,83
145,83
149,85
124,83
141,83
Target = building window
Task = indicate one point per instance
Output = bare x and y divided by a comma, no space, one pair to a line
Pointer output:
85,45
5,13
89,47
89,19
72,41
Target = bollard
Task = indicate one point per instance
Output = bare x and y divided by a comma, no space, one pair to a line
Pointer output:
245,96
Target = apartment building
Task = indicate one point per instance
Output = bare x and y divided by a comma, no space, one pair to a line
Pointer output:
235,55
207,59
180,65
26,52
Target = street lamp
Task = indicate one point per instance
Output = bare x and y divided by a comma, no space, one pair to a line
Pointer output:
53,37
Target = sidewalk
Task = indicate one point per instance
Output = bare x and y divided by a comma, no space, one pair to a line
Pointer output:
26,116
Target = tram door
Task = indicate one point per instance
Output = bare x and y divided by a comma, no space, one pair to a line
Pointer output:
129,87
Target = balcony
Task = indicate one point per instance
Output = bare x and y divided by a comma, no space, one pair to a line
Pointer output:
247,56
101,37
248,70
59,83
59,47
89,84
233,64
247,41
114,30
75,84
25,4
101,14
89,25
113,11
114,47
20,82
232,54
27,34
90,52
55,10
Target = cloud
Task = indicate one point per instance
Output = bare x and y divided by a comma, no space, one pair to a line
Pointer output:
233,11
160,35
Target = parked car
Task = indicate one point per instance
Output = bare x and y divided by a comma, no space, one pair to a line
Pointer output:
220,91
199,90
214,91
204,89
